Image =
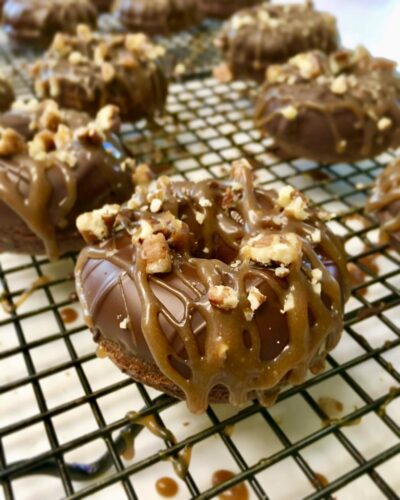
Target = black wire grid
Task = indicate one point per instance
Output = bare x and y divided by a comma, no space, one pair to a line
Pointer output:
54,390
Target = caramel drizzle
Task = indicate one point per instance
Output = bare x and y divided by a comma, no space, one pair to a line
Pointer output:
387,192
241,369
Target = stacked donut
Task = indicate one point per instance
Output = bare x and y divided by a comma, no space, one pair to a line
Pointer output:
219,290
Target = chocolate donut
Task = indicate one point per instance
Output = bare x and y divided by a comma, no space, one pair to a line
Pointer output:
385,203
7,95
156,17
102,5
342,107
255,38
35,22
89,70
214,291
221,9
69,166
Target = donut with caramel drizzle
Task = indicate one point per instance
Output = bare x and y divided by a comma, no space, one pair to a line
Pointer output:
214,291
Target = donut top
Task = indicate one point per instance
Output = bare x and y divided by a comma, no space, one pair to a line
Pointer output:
386,196
38,19
236,285
345,80
157,16
277,31
95,60
40,178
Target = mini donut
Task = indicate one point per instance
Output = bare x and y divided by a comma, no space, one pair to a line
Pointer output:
35,22
385,203
156,17
221,9
88,70
214,291
68,166
102,5
338,108
7,95
257,37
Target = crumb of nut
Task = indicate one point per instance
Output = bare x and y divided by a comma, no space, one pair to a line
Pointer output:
107,71
54,87
134,42
325,216
40,88
63,136
155,205
200,217
275,74
11,142
67,157
341,146
267,248
223,297
84,32
100,53
293,203
281,272
50,117
339,85
384,123
289,303
76,57
308,64
240,20
223,73
289,112
42,144
156,253
108,118
255,298
204,202
142,232
285,196
96,226
124,324
142,175
316,236
60,44
90,134
316,277
30,105
179,69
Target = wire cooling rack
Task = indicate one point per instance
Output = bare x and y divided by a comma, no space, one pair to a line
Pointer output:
62,408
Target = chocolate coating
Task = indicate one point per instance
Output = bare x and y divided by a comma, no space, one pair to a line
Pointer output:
35,22
342,107
385,203
255,38
165,327
46,183
7,95
156,17
102,5
221,9
89,70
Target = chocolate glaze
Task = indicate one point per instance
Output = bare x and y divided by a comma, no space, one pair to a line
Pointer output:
385,203
35,22
40,197
342,107
7,95
257,37
155,17
221,9
89,70
162,328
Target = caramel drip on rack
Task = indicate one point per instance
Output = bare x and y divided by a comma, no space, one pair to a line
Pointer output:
9,307
314,323
385,194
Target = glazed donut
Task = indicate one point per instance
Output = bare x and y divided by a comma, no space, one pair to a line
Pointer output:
255,38
213,291
338,108
67,166
35,22
221,9
89,70
157,17
385,203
